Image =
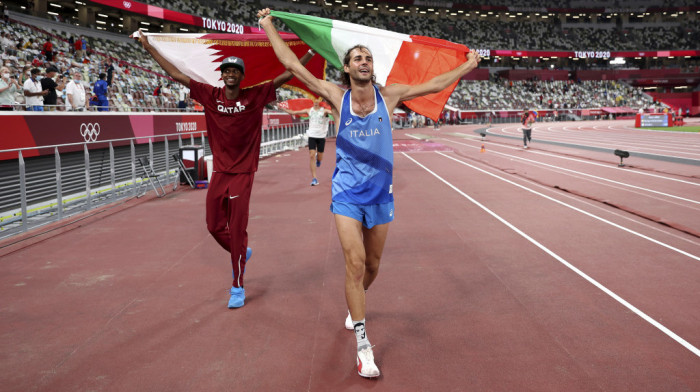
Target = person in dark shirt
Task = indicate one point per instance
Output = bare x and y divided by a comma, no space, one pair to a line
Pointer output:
100,90
48,83
110,71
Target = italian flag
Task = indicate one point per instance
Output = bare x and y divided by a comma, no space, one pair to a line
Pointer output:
398,58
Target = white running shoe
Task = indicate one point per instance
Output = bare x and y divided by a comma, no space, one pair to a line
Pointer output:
365,363
348,322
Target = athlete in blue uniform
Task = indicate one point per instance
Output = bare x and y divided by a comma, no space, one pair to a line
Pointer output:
362,201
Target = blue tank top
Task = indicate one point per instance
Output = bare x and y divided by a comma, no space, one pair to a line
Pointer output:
364,155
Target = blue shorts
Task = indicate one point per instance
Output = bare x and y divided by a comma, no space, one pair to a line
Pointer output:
369,215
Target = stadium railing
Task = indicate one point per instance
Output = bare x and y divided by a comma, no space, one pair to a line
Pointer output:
48,188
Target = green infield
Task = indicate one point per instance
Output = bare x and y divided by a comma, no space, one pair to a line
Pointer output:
694,128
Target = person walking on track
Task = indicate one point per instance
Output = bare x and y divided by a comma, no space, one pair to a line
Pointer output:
318,128
362,197
234,118
527,119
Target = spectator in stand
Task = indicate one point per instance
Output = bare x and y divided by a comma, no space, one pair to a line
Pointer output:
183,97
8,87
100,90
75,93
78,49
38,61
110,71
26,74
63,62
33,92
47,50
29,44
166,92
8,44
48,83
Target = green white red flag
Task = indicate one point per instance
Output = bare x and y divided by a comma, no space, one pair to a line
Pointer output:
398,58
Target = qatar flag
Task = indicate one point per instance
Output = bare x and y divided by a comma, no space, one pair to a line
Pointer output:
199,56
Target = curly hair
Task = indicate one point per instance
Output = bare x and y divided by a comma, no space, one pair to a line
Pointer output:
346,61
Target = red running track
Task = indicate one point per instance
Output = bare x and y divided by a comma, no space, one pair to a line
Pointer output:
546,269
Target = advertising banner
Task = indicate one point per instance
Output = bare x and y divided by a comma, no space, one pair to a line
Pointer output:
43,129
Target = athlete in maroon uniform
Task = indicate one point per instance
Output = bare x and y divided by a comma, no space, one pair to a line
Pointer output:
234,120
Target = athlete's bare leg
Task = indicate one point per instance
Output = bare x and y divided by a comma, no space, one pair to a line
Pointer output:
362,249
312,163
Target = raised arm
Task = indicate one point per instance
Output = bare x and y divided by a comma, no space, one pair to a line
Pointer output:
286,76
165,64
403,92
327,90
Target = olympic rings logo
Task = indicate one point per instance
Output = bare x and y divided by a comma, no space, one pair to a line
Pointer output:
127,4
90,131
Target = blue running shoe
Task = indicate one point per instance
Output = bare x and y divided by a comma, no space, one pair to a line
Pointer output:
318,163
314,182
237,297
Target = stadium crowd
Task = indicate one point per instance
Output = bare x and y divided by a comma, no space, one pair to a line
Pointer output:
136,83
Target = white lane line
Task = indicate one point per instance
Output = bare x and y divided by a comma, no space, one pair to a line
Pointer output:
592,176
607,291
684,253
656,146
587,162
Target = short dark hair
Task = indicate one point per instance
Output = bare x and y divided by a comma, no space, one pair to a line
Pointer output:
346,60
35,71
103,75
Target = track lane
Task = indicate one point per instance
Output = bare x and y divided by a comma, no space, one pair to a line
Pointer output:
659,197
593,330
606,239
594,134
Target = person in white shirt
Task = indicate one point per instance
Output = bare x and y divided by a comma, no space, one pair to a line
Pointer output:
8,86
8,44
166,93
166,90
318,127
75,93
183,96
34,94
